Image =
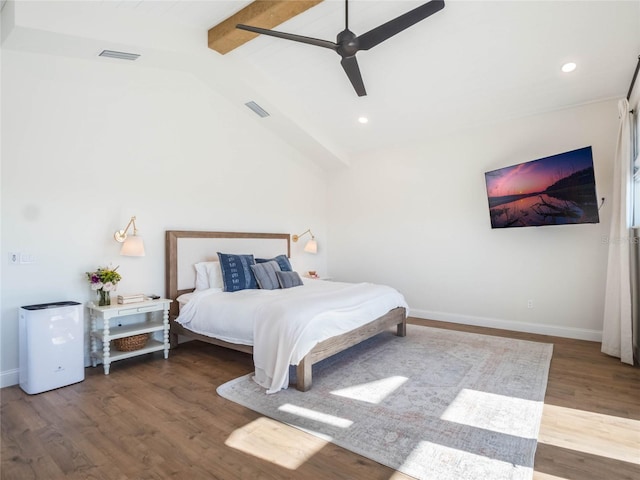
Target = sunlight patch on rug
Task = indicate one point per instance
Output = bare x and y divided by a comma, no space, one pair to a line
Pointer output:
495,412
436,404
315,415
372,392
459,464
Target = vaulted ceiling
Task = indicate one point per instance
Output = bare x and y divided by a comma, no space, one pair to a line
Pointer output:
473,63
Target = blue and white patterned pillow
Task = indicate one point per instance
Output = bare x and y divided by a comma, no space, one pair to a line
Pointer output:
289,279
265,274
236,272
282,260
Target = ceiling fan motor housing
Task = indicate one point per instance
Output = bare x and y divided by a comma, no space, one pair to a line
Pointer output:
348,44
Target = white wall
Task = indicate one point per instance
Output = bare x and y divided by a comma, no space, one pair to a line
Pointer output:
416,217
88,144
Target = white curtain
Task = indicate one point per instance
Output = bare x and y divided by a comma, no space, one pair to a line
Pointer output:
635,247
617,330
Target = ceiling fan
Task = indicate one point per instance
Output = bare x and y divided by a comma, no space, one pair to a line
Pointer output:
348,43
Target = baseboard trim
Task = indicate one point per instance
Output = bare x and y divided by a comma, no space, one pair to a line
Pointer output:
9,378
541,329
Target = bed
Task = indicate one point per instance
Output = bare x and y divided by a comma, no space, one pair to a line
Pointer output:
186,249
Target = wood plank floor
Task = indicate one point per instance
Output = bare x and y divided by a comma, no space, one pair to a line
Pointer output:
157,419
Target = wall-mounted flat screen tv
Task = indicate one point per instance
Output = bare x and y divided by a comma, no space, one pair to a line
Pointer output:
556,190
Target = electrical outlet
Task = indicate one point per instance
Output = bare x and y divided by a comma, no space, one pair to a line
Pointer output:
529,303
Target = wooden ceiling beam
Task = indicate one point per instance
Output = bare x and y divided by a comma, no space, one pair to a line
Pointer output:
225,37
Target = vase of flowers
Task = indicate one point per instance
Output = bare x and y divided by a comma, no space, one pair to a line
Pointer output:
104,281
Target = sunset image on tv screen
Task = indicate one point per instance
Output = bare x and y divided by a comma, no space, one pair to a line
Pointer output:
556,190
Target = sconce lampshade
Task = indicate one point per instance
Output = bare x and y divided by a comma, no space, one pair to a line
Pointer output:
311,246
133,246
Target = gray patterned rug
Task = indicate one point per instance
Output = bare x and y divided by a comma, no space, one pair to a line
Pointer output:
437,404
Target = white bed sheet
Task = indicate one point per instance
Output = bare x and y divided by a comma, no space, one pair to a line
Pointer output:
283,325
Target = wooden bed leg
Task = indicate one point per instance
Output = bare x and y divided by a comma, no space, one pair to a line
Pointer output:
173,340
402,328
303,375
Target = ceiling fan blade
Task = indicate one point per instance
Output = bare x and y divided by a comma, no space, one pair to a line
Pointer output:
290,36
350,65
387,30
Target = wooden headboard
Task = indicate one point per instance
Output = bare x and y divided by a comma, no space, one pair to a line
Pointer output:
185,248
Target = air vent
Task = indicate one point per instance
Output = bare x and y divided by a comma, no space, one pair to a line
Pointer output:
257,109
120,55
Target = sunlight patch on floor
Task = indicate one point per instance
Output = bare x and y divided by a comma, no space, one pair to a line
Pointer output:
275,442
315,415
448,462
594,433
546,476
498,413
400,476
372,392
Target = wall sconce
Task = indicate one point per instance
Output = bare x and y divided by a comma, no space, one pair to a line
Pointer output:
311,246
132,246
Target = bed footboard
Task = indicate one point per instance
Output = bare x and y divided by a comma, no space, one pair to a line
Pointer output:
333,345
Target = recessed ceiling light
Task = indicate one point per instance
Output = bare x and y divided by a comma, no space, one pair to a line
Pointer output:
569,67
363,119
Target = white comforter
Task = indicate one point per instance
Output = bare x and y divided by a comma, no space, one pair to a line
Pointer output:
284,325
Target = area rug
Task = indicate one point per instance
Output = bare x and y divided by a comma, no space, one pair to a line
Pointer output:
437,404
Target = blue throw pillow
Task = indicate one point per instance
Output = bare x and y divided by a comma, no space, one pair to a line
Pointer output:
282,260
289,279
265,274
236,272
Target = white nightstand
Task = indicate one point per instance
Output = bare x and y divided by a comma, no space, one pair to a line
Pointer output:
107,332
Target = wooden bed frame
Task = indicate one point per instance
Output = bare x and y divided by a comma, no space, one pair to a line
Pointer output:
325,349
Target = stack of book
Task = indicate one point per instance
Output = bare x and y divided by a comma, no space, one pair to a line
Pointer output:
124,299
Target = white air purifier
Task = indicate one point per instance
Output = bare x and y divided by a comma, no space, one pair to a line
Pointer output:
51,341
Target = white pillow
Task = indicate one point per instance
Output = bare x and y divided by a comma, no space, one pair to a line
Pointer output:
184,298
208,275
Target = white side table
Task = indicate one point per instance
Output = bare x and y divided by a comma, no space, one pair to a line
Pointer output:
106,332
